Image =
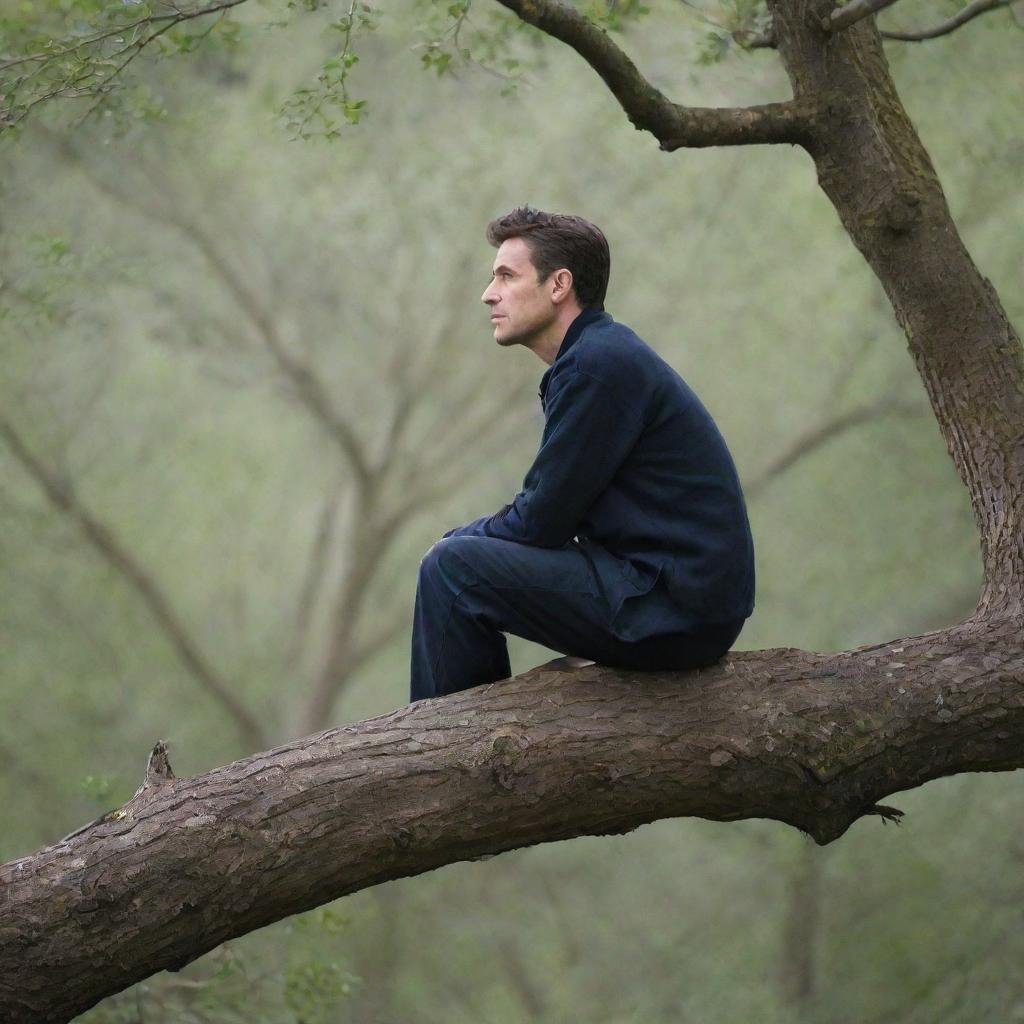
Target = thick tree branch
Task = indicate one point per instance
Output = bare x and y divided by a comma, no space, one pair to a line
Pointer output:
674,126
815,741
62,495
968,13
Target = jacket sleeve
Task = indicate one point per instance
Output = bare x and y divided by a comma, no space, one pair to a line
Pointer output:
588,434
473,529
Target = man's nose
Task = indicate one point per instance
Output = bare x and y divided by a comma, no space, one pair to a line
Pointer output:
487,296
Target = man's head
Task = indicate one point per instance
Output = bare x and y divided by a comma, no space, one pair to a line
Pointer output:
549,266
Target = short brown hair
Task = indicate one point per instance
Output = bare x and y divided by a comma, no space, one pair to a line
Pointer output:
559,240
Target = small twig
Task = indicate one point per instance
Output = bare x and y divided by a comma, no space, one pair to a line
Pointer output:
104,87
756,40
178,16
98,38
703,15
887,814
459,22
854,11
971,11
158,773
821,433
90,73
158,770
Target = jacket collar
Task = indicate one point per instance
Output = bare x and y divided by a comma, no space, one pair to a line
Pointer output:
587,317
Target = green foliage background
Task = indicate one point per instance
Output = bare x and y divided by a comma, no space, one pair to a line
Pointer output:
130,368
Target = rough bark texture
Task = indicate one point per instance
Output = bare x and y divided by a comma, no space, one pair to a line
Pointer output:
812,740
873,167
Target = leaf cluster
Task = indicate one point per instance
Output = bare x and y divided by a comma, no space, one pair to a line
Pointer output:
313,111
82,49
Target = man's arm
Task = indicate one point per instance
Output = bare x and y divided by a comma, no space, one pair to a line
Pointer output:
472,529
587,436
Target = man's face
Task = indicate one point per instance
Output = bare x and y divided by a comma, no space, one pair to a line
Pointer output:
521,306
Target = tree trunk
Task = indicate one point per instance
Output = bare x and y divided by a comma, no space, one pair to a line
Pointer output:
876,172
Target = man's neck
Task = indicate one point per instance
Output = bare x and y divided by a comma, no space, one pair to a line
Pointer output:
547,344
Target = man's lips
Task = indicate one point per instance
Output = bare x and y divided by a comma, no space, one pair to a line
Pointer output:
497,316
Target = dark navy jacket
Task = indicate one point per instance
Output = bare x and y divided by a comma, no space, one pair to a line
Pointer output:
632,466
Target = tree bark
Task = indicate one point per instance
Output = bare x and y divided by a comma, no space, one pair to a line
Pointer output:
812,740
877,174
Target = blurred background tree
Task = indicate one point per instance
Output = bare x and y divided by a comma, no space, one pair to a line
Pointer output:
248,382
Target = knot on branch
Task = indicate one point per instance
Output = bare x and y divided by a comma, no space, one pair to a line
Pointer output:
158,773
158,770
505,756
902,211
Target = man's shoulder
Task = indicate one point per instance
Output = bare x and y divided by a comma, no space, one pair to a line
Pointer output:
616,354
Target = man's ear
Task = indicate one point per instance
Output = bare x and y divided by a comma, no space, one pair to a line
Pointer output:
562,290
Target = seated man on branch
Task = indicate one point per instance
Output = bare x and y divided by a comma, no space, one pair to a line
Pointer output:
629,543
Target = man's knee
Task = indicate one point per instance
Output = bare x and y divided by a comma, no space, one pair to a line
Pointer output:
451,558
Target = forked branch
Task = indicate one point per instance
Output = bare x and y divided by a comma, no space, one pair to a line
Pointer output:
673,125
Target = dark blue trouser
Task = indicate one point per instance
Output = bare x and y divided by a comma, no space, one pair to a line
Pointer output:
472,590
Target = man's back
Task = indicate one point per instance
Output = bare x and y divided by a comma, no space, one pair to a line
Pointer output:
674,505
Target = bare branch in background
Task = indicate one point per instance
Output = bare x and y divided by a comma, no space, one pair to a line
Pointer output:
475,411
64,616
821,433
441,475
319,559
62,495
383,497
369,539
308,387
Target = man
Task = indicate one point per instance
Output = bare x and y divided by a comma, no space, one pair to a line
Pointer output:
629,542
